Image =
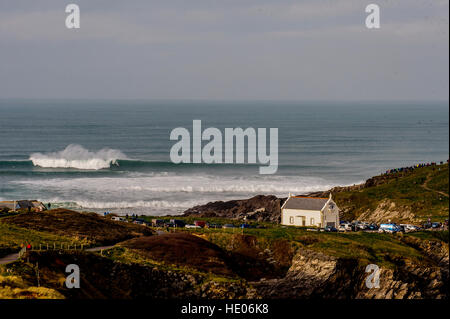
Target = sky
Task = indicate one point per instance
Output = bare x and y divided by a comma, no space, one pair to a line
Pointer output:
225,50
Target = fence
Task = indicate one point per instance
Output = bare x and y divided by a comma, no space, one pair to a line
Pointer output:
60,247
22,252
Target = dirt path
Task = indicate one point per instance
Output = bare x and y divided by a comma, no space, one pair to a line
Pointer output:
13,257
99,248
9,258
425,186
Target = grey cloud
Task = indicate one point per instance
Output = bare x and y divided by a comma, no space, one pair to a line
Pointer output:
310,49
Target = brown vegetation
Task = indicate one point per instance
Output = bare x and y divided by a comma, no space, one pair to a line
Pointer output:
79,225
184,250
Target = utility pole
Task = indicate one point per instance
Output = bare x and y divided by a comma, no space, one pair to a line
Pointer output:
37,271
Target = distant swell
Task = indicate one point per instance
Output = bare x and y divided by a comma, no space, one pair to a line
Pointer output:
76,156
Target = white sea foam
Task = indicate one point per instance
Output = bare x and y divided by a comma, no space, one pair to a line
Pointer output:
152,207
76,156
143,186
157,194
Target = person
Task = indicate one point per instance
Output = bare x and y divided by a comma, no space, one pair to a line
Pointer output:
49,205
28,246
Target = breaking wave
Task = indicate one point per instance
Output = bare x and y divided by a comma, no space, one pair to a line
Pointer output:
76,156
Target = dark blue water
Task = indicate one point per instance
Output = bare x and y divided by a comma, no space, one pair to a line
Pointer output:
320,145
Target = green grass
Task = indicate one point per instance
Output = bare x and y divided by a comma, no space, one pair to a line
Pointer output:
12,237
13,287
366,247
439,179
404,189
128,256
432,235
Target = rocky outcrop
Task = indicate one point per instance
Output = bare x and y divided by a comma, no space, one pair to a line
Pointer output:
103,278
312,274
259,208
388,210
410,281
315,275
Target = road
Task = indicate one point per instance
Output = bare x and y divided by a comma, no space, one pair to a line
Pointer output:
9,258
13,257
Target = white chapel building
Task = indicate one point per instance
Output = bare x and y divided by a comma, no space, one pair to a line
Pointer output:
309,211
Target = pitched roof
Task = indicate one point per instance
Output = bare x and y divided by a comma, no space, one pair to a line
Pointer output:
306,203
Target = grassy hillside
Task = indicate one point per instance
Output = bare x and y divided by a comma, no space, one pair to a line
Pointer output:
382,249
14,287
412,197
81,226
12,237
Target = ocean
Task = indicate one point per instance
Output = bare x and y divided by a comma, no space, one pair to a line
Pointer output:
114,155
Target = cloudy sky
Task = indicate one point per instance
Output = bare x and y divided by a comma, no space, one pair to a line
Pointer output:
225,49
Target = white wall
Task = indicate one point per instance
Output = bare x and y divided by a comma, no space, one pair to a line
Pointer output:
286,215
331,215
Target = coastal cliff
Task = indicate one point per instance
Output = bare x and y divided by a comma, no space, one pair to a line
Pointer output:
408,197
250,267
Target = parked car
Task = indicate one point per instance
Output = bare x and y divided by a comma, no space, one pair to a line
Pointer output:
361,225
409,227
346,225
389,228
427,225
372,227
200,223
330,229
177,222
191,226
158,222
354,226
436,225
342,228
213,226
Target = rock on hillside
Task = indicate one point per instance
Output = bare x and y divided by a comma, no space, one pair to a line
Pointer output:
316,275
104,278
409,197
259,208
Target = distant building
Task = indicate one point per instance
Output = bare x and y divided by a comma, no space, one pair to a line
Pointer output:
32,205
309,211
158,222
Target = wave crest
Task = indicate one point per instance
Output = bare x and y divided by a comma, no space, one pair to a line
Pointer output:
76,156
